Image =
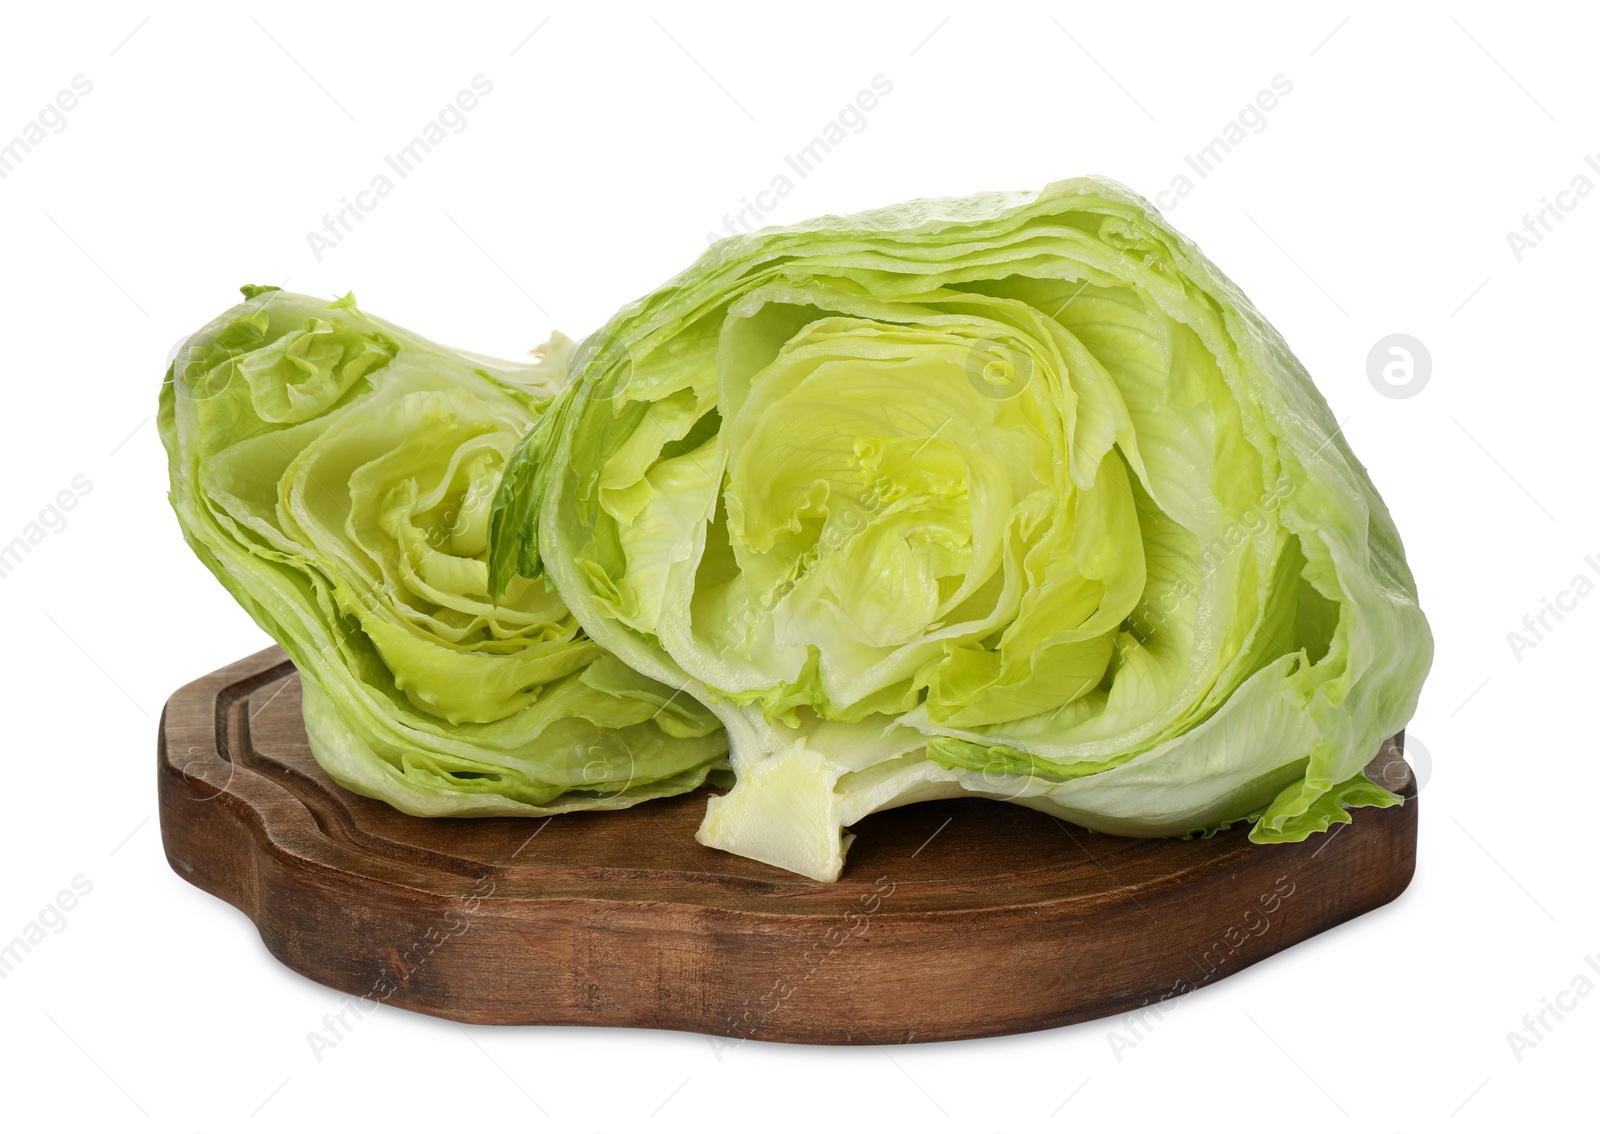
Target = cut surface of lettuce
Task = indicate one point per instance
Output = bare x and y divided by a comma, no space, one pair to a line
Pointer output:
1013,496
336,473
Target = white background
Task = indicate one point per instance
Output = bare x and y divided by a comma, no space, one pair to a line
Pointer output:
1376,200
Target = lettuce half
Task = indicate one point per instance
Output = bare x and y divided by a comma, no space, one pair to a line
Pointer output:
336,472
1013,496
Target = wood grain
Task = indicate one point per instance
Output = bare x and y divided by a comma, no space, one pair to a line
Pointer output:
952,919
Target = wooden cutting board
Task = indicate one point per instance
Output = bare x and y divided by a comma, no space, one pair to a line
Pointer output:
952,919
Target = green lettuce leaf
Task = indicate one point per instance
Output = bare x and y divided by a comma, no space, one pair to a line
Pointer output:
1013,496
336,473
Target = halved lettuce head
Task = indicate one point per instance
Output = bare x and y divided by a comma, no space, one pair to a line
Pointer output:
1014,496
336,474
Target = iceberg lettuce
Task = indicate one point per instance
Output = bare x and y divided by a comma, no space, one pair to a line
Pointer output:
336,473
1013,496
